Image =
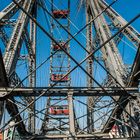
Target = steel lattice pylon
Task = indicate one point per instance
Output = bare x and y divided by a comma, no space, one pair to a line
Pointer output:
103,108
59,66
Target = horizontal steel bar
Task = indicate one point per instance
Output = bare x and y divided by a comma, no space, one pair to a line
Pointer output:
57,136
77,91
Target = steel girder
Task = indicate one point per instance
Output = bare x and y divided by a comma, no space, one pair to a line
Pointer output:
3,83
9,11
12,108
90,100
119,22
111,56
63,91
13,47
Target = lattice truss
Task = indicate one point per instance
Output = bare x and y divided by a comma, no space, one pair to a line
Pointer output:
73,102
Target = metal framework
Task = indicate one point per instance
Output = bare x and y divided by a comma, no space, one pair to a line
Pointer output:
59,66
102,109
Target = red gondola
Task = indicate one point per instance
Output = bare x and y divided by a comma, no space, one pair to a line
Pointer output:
1,136
59,110
57,77
60,13
56,47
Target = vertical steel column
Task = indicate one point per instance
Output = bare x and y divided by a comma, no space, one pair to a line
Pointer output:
32,66
3,83
71,116
90,100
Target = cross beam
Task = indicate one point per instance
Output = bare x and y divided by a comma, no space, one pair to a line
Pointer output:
77,91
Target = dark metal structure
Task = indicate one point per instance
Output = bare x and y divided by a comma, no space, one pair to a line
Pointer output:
106,108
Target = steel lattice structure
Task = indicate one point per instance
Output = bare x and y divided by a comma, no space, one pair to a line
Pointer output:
101,109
